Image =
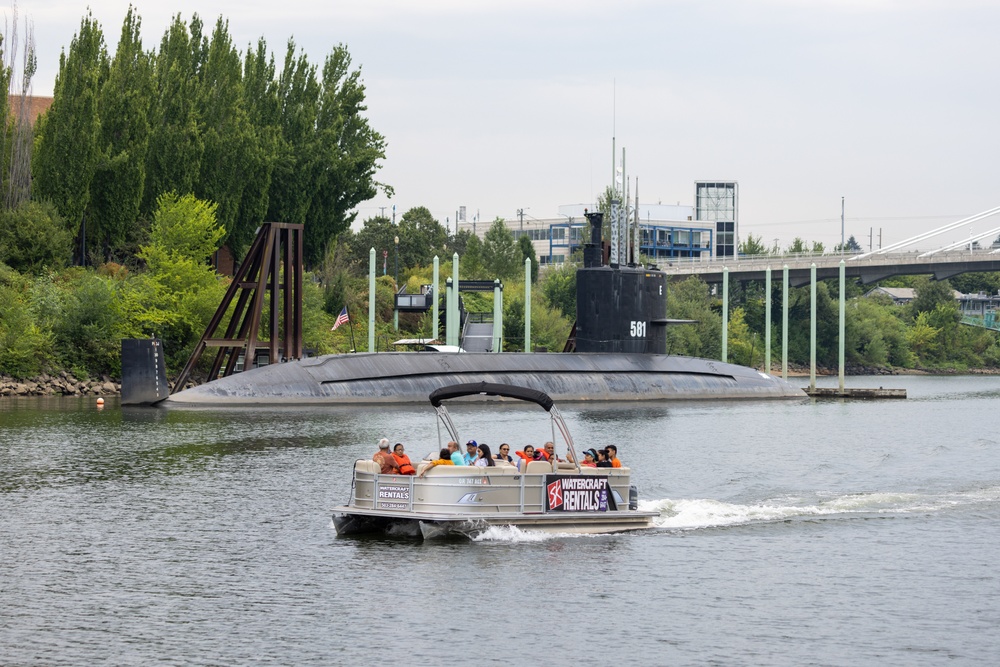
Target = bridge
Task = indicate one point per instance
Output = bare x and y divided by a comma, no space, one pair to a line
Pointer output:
942,262
868,269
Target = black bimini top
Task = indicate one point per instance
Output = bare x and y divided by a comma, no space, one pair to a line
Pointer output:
491,389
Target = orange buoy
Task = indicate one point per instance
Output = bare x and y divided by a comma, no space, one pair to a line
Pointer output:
100,401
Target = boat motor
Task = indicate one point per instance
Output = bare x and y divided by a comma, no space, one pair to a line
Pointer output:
633,497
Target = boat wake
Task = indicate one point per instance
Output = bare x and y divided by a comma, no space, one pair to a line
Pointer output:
688,514
515,534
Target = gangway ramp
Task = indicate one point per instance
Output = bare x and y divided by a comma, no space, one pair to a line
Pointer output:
478,337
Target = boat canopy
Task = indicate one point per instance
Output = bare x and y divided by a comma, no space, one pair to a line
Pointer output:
491,389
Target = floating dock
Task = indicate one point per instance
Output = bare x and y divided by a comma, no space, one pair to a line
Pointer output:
854,392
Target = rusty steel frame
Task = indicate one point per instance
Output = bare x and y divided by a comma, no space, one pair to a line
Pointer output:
259,274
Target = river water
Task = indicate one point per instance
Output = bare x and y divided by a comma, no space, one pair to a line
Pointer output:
790,533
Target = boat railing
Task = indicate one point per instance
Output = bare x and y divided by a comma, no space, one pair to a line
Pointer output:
500,489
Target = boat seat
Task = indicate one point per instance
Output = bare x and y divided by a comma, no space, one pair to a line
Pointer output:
538,468
367,465
566,465
610,472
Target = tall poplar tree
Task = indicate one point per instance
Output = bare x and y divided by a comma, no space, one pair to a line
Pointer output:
347,154
119,179
173,163
226,132
294,176
262,104
68,153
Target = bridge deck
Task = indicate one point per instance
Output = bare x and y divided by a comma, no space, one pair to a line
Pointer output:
869,269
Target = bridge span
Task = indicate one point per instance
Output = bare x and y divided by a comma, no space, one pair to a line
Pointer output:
868,269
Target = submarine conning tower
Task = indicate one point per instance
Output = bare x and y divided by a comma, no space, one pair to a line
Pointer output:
618,308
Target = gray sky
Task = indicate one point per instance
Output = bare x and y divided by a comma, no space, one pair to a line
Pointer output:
505,104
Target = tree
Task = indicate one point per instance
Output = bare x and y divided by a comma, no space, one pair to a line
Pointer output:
797,246
753,245
229,156
68,152
931,294
294,176
471,267
347,155
263,107
17,178
851,245
500,253
181,290
528,252
34,238
459,241
378,233
120,175
559,287
173,161
420,237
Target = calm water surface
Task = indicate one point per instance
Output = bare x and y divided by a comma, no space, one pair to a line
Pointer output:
791,533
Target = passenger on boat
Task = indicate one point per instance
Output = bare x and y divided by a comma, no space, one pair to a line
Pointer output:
456,456
402,460
485,459
384,458
589,459
504,454
528,455
602,459
613,456
550,452
444,459
470,456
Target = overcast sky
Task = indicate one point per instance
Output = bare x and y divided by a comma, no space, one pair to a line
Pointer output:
498,105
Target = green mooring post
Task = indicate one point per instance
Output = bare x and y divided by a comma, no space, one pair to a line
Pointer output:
841,333
449,318
767,322
784,323
371,300
497,314
812,327
527,304
436,325
725,314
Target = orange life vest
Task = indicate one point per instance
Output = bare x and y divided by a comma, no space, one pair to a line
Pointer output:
405,467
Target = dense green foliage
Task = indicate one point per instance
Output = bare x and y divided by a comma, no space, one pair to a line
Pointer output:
198,117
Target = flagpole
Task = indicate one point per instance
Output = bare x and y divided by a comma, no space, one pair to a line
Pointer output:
354,348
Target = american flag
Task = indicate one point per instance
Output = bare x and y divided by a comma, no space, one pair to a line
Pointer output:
341,319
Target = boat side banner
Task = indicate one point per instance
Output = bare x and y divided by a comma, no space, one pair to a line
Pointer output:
578,494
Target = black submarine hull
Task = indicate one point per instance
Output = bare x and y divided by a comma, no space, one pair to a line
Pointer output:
409,377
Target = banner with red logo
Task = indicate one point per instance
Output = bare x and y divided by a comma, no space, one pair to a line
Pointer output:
578,494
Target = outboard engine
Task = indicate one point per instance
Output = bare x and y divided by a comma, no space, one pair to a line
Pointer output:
633,497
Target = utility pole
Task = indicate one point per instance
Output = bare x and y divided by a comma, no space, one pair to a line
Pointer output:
520,214
381,210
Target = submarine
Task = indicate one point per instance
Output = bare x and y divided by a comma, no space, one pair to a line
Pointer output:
619,354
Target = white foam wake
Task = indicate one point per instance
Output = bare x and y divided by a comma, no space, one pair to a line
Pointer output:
515,534
708,513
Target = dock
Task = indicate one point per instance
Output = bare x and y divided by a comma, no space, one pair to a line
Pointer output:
854,392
